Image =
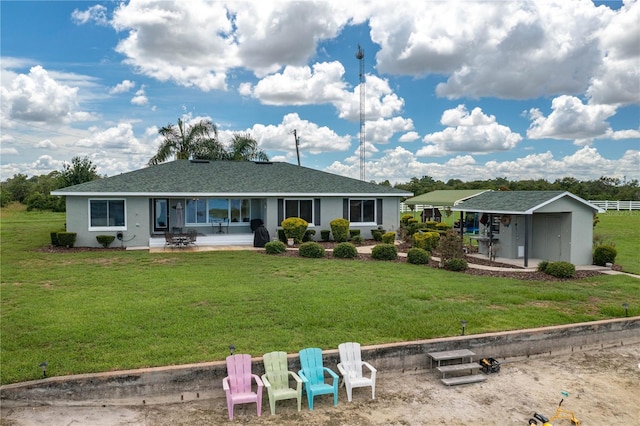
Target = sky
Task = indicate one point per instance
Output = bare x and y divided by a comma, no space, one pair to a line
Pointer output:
469,90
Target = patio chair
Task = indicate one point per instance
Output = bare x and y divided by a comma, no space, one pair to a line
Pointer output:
312,375
168,240
351,368
192,236
237,384
276,380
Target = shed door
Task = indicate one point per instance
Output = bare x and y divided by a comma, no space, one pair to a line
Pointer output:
552,235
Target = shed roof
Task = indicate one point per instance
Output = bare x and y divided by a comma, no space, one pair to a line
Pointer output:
516,202
225,178
444,197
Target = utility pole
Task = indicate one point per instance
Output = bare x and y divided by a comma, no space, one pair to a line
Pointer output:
360,57
297,140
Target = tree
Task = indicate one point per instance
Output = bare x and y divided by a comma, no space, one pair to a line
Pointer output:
184,141
80,170
245,148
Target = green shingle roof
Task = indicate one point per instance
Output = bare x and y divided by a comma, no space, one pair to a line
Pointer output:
514,202
184,177
444,197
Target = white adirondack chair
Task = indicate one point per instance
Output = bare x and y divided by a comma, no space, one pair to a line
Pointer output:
351,368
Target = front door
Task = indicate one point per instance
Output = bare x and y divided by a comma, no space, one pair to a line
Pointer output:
161,215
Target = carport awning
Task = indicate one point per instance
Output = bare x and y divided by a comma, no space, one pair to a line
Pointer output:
445,198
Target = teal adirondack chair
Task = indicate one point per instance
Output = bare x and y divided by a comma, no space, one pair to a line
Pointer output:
313,377
276,379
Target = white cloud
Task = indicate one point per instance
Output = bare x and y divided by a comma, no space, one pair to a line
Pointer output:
123,87
302,85
37,97
118,140
8,151
409,137
97,14
617,81
140,98
488,54
314,139
46,144
571,119
381,130
473,132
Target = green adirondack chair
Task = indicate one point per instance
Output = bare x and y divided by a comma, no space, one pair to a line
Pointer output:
313,377
276,379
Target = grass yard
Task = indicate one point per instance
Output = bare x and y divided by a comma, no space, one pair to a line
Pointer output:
108,310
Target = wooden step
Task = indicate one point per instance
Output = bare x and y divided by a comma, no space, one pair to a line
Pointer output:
459,367
463,380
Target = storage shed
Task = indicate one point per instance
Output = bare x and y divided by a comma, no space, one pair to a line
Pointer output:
546,225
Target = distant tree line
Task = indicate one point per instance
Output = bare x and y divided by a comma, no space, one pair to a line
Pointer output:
604,188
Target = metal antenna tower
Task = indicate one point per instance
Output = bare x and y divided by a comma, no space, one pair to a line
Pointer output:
360,57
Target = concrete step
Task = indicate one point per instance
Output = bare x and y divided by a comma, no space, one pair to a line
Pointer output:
463,380
459,367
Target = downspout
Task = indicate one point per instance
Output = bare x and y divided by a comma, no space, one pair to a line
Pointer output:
526,240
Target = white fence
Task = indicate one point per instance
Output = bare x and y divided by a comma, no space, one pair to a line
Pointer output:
605,205
617,205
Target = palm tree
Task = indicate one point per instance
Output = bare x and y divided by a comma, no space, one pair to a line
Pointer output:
184,141
245,148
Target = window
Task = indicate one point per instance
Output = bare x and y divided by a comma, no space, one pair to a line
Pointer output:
240,210
299,208
106,214
362,211
218,209
196,211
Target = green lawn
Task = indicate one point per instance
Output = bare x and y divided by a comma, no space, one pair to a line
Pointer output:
101,311
623,229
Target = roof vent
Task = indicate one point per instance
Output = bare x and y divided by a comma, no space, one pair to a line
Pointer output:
263,162
199,161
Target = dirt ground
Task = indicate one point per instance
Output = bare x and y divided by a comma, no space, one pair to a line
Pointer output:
601,386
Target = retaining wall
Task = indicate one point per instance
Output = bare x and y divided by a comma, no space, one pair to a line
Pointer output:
205,378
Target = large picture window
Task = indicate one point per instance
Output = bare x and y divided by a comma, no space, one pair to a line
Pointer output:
362,211
299,208
107,214
214,210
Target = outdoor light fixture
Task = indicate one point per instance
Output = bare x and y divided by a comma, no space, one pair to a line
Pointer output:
464,324
232,349
43,367
625,305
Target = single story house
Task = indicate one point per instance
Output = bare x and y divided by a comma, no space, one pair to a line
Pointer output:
219,199
545,225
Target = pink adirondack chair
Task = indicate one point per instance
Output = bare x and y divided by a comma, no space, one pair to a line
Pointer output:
237,384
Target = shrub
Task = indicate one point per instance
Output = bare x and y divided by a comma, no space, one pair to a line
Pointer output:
405,218
431,224
389,237
295,228
356,239
417,256
311,249
542,266
426,240
345,251
450,246
309,235
105,240
54,238
325,234
441,226
377,234
455,264
66,239
340,229
353,233
561,269
275,247
384,252
604,254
